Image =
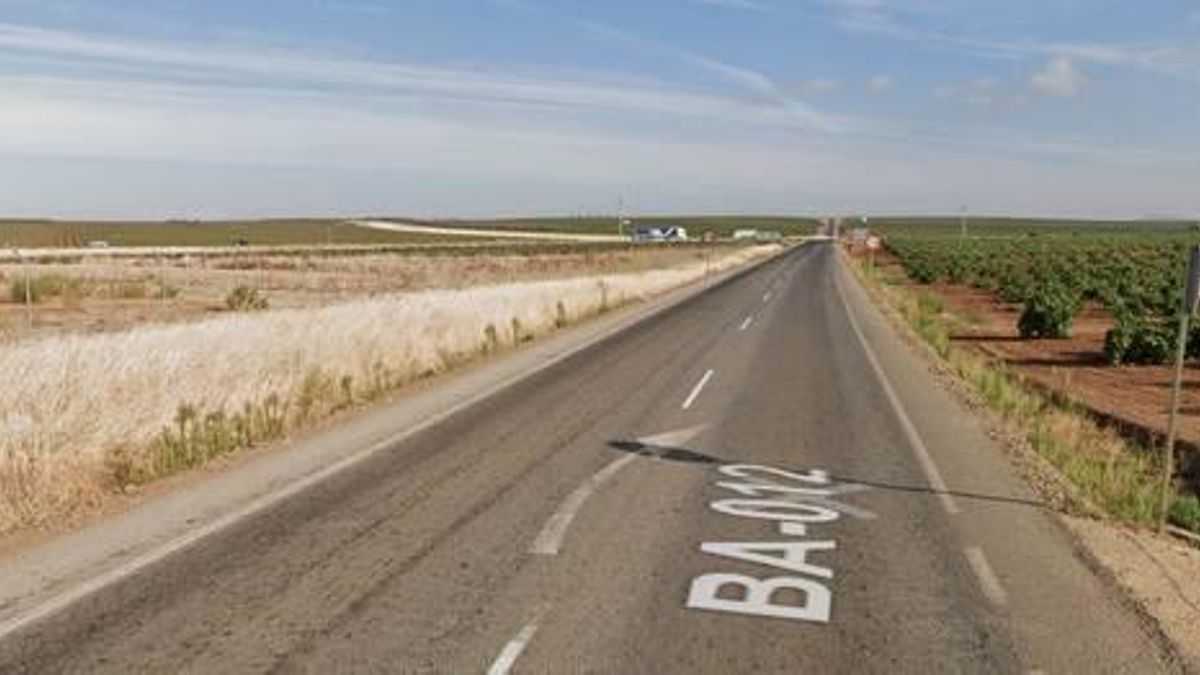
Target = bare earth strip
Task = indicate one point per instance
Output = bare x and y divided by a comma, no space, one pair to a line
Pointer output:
1161,574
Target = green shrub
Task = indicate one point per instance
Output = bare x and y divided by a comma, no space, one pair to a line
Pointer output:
246,299
491,339
1049,313
26,290
1185,512
166,291
59,285
128,289
1139,340
930,303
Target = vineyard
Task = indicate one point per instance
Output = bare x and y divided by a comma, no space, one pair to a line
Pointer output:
1135,277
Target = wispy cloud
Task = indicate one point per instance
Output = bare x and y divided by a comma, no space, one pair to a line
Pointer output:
751,81
1174,59
745,5
879,84
352,7
1060,77
280,68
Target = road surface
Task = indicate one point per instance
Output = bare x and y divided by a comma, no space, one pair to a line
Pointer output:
761,479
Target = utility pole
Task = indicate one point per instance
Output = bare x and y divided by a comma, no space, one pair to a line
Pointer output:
962,223
1191,296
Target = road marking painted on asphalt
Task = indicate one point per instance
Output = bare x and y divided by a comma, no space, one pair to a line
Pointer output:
795,501
910,431
988,582
767,296
746,323
697,389
549,540
512,651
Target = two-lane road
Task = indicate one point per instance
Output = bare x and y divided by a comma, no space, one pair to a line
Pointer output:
760,479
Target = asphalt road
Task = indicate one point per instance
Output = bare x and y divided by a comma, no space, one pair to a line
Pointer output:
762,479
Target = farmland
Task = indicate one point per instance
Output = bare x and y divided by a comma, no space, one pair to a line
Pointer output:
104,294
184,358
327,231
721,226
1136,280
1085,311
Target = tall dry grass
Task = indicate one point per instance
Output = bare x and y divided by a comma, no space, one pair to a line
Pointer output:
79,401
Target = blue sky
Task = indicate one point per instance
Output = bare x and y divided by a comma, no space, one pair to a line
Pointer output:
156,108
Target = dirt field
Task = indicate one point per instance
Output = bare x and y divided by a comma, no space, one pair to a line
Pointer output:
1139,395
106,295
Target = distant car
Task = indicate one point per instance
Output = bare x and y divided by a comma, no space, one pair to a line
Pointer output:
241,242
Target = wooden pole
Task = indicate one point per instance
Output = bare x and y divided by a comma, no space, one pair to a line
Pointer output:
1164,503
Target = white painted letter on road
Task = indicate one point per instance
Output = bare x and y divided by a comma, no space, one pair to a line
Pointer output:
766,509
795,502
756,597
788,555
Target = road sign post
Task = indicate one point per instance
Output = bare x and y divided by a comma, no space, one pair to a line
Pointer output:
1191,296
873,246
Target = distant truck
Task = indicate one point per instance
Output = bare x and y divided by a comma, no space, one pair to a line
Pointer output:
664,233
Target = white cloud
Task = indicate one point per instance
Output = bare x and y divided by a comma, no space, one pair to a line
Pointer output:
1179,59
1059,77
981,91
879,84
750,5
820,85
268,68
267,130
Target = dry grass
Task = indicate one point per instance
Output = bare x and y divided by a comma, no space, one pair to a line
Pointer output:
81,414
115,295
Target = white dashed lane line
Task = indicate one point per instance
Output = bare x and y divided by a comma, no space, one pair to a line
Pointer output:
989,583
746,323
697,389
512,651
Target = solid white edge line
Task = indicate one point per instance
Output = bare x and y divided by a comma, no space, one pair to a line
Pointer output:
74,594
910,431
746,323
697,389
549,541
989,583
512,651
